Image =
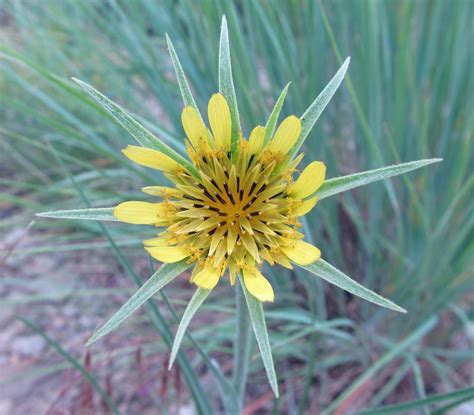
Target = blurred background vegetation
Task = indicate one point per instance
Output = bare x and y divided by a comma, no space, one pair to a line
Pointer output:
408,96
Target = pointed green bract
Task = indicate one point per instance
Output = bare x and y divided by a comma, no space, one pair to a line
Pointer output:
261,333
138,131
332,275
273,119
311,115
226,84
341,184
162,277
198,298
81,214
186,93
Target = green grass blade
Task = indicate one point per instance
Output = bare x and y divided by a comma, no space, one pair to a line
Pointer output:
81,214
462,394
341,184
393,353
198,298
332,275
75,363
273,119
186,93
226,84
311,115
162,277
140,133
261,333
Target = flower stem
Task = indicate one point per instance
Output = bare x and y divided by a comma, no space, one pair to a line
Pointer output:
242,346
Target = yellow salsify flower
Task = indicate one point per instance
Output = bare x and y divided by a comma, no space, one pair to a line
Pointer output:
240,212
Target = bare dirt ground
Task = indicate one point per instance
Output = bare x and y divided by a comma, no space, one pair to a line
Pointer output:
68,294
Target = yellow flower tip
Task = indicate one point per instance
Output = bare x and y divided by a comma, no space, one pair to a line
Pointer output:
286,135
258,285
305,206
309,181
194,127
138,213
207,278
220,121
256,139
150,158
302,253
167,254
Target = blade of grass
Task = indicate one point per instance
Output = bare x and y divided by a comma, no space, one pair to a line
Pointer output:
81,214
311,115
393,353
184,88
341,184
226,85
462,394
273,118
74,362
261,333
327,272
162,277
140,133
197,299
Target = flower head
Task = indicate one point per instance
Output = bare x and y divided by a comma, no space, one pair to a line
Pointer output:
239,210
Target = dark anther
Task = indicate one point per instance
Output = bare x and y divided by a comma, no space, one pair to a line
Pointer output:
262,188
218,196
250,160
252,188
248,205
209,195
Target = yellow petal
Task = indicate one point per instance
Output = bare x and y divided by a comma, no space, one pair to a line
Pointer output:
286,135
258,285
139,213
309,181
302,253
305,207
160,241
207,278
256,139
194,127
161,191
168,254
150,158
219,120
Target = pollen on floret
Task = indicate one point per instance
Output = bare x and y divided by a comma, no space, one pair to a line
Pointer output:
240,212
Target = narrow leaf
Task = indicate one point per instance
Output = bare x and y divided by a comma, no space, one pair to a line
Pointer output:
311,115
273,119
156,282
186,93
198,298
341,184
332,275
138,131
226,84
81,214
261,333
